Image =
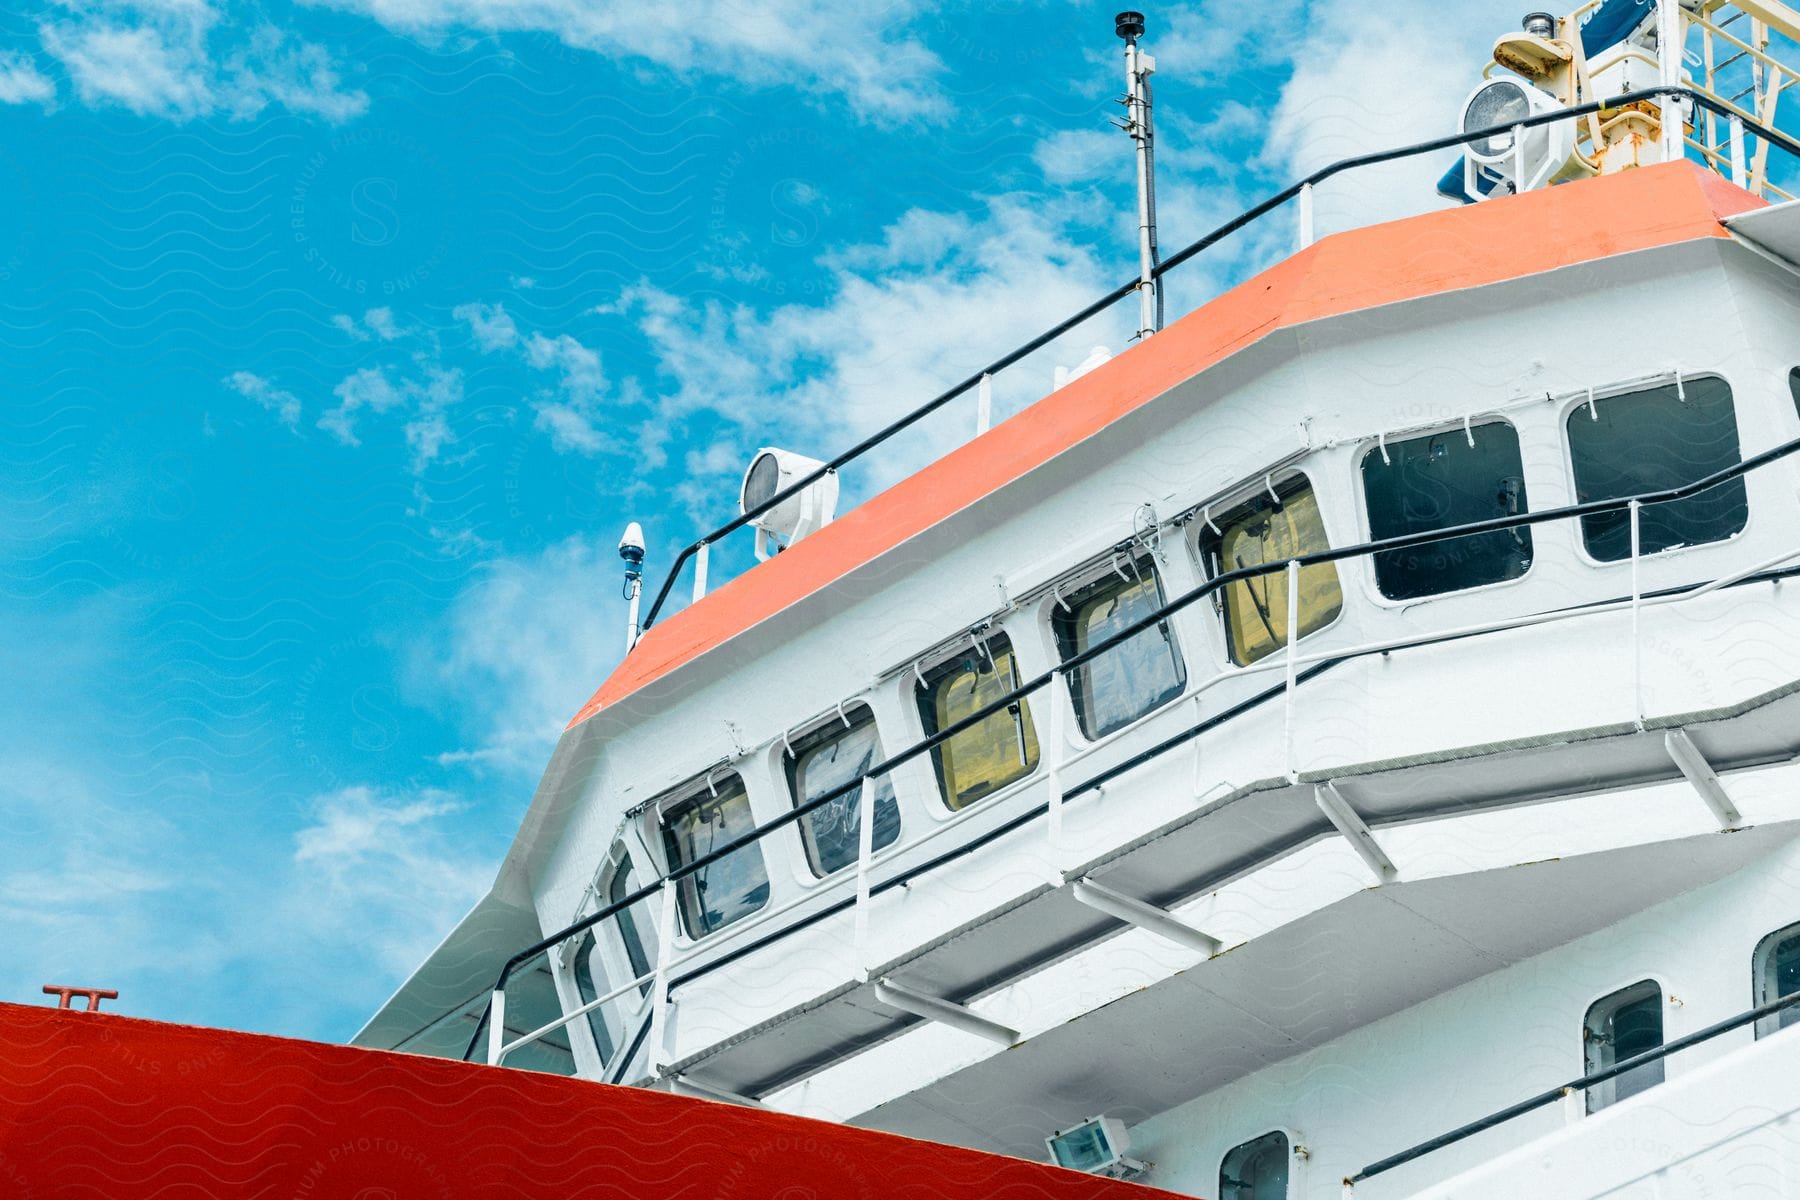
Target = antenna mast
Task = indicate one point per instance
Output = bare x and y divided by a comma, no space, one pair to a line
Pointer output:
1138,69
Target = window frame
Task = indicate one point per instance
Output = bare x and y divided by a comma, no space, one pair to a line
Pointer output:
1760,984
921,676
786,752
1290,1142
593,942
618,860
1203,523
707,785
1086,584
1614,392
1589,1106
1371,584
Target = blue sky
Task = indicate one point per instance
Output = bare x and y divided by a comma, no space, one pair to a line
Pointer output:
341,339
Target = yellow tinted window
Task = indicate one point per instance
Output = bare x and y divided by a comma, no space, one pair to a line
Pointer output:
1256,612
994,751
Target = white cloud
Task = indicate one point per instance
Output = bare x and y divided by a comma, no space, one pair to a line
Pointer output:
369,388
863,52
489,324
1360,85
380,871
183,59
285,405
522,649
21,82
376,322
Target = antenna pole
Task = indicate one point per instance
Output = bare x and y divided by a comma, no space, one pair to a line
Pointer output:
1138,69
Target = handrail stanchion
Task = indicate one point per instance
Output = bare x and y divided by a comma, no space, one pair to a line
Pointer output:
984,404
497,1027
865,850
1293,636
1306,215
1637,642
659,995
1740,172
700,557
1053,774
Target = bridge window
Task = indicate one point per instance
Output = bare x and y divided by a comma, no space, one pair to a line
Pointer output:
1794,386
1271,528
590,983
1256,1170
1137,676
1438,481
637,936
1626,1023
823,762
994,751
1649,441
1775,971
731,888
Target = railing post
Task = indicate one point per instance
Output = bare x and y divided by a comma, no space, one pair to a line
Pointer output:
1518,147
1637,645
1574,1104
1669,45
659,994
984,405
1306,215
700,556
865,850
496,1027
1293,636
1740,170
1053,774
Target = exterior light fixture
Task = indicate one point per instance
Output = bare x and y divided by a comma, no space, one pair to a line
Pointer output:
1096,1146
773,472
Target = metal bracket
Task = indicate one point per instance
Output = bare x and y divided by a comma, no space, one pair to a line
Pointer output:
1704,779
1356,831
1159,921
944,1012
707,1091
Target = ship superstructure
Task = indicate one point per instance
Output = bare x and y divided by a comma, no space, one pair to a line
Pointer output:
1341,742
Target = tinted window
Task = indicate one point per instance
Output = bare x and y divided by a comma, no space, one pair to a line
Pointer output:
994,751
731,888
1648,441
823,762
1439,481
1144,672
590,982
1777,974
1618,1026
1269,530
636,934
1256,1170
1794,386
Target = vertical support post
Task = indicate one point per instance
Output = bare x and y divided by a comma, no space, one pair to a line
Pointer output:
984,405
659,992
1740,170
1637,644
1293,636
1306,215
1138,69
1574,1105
1669,30
496,1026
1053,774
1518,147
634,589
700,557
865,850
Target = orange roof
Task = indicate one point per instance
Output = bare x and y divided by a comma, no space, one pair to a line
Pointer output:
1429,255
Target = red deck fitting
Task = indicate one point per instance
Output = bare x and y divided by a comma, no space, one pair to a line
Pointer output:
111,1106
94,995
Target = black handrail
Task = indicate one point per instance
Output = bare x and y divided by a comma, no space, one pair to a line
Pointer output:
1244,218
1575,1085
1150,620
